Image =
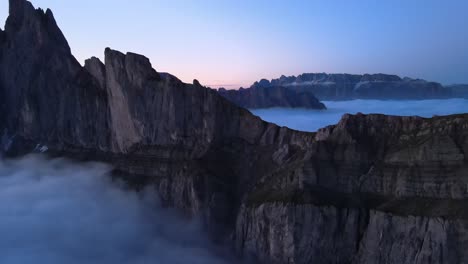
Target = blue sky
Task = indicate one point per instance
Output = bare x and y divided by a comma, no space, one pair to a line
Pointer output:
234,43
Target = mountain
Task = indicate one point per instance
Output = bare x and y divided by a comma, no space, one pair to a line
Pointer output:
368,86
371,189
458,90
274,96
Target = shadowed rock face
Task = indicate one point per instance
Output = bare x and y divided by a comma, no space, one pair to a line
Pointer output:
113,106
458,90
371,189
274,96
368,86
177,135
47,95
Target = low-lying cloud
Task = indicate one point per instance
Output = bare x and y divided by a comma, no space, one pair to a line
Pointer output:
56,211
312,120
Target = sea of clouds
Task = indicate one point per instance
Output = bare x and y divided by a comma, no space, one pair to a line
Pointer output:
55,211
312,120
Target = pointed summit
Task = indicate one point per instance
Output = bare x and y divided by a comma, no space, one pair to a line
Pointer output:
18,6
18,10
34,26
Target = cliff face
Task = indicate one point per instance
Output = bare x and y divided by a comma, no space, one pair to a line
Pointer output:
368,86
370,189
47,96
111,106
458,90
274,96
310,234
184,138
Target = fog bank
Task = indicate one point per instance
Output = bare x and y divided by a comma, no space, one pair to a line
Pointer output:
55,211
312,120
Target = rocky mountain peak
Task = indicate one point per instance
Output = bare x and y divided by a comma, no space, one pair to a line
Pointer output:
34,26
197,83
131,67
97,69
18,11
264,83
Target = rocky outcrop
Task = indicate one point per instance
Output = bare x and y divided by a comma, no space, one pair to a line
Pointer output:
98,70
368,86
370,189
288,233
47,95
310,234
271,96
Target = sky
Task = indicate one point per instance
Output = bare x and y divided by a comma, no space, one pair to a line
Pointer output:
234,43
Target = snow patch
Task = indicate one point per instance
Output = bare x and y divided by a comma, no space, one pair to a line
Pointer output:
326,83
359,84
41,148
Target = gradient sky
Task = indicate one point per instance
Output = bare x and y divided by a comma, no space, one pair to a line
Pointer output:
234,43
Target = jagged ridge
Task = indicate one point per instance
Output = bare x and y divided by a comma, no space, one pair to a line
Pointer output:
281,195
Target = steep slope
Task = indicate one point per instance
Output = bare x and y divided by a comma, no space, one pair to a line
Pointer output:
368,86
181,137
47,95
274,96
113,107
370,189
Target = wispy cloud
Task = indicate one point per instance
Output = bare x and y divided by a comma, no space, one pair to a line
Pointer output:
55,211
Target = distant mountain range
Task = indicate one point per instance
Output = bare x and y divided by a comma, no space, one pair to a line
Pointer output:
459,90
271,96
346,87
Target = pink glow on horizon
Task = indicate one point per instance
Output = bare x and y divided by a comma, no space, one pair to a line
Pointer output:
235,43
